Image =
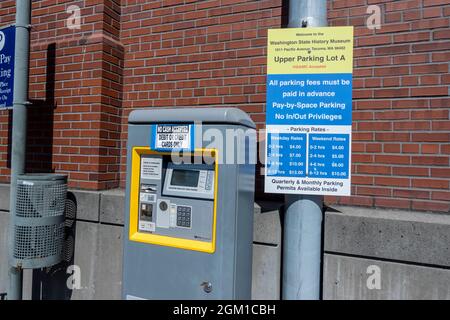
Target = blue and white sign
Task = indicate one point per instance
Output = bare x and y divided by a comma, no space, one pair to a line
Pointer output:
7,47
170,137
309,111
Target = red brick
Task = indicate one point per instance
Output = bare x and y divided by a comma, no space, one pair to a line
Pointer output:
412,37
430,148
374,40
391,148
393,203
373,147
431,46
430,80
411,59
357,201
410,148
430,68
431,137
392,49
430,183
412,126
374,169
410,171
430,114
441,195
441,125
410,80
409,104
431,206
374,126
403,5
432,12
411,194
373,104
392,136
432,23
373,191
430,160
391,93
412,15
391,181
391,71
393,159
429,3
441,34
440,172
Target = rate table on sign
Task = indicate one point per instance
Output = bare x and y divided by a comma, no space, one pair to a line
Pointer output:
308,155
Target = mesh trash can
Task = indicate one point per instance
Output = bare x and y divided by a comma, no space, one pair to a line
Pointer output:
38,223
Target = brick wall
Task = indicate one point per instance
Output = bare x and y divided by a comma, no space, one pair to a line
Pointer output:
76,93
401,107
141,53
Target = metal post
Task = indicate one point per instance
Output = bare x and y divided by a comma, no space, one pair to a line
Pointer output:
302,240
19,127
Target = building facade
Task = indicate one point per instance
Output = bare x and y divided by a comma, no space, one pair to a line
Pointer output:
93,62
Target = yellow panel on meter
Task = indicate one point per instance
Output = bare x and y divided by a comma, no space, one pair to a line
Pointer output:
174,204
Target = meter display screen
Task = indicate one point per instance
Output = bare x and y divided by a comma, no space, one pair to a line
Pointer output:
185,178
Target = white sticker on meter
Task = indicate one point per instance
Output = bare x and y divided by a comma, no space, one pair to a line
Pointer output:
147,226
148,197
173,136
151,168
173,215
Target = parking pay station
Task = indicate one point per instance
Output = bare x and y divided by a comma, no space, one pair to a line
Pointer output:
189,204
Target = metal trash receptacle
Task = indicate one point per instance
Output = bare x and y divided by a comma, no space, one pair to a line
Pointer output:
38,221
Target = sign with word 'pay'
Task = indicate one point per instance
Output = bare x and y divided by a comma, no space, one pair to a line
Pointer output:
7,48
309,111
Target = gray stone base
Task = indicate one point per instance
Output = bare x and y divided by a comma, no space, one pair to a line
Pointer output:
410,250
352,278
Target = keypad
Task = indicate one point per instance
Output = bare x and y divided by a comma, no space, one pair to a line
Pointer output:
184,216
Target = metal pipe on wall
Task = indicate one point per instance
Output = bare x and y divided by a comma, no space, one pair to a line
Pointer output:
19,127
302,239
